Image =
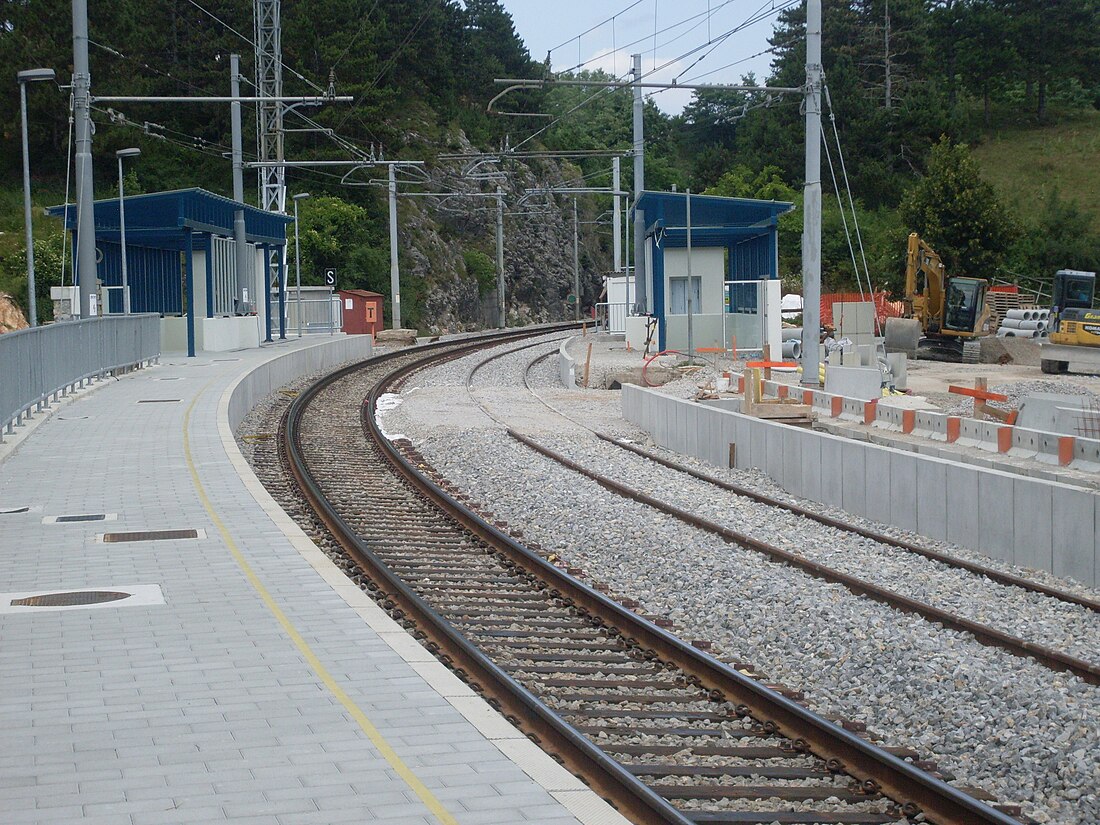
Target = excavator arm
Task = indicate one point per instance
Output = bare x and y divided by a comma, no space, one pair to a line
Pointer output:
924,283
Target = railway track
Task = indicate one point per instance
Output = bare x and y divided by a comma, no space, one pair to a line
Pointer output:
982,632
658,727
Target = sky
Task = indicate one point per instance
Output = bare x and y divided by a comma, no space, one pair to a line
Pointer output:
603,35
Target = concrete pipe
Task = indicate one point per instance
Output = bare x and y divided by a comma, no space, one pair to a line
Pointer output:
1013,323
1029,315
1017,314
902,335
792,349
1032,325
791,333
1006,332
1043,314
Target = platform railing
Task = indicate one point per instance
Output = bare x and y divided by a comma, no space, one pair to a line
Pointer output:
42,364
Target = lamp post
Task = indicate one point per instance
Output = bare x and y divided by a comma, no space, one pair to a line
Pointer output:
120,154
301,196
25,77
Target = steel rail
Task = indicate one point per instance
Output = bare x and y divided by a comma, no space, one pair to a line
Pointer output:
951,561
604,774
990,573
878,770
1050,658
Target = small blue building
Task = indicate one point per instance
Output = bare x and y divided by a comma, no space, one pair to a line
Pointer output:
734,268
181,263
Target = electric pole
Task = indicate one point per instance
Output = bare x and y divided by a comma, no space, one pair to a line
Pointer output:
395,270
245,271
576,265
503,321
617,215
85,196
811,218
641,291
269,110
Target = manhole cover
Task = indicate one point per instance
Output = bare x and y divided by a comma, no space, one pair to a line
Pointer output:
7,511
159,401
151,535
85,517
76,597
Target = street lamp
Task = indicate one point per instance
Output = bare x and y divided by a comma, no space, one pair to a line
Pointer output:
25,77
120,154
301,196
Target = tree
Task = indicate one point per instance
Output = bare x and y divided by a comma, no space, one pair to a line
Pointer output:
959,213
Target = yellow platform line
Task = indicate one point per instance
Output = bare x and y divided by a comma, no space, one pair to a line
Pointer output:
377,739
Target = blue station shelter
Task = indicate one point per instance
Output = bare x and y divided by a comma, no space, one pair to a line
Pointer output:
733,240
181,263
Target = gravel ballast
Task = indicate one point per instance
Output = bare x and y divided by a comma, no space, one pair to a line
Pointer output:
1006,724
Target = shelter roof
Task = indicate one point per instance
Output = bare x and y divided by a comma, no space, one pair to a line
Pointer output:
362,293
156,219
669,209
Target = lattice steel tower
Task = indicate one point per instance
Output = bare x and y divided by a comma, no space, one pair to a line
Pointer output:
269,113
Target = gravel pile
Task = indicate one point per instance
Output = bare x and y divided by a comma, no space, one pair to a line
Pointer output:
996,721
1017,391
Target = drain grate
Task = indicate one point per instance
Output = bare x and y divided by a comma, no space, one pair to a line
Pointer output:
8,511
71,599
150,535
159,401
72,418
83,517
172,378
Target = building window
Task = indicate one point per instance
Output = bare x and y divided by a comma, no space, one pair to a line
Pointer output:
677,304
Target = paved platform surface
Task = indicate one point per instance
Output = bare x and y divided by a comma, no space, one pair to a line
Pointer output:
247,680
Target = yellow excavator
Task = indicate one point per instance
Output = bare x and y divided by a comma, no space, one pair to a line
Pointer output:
944,315
1074,325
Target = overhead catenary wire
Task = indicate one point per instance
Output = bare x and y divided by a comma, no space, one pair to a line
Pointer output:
847,186
843,214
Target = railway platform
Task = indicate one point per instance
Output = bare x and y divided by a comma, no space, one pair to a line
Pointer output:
219,668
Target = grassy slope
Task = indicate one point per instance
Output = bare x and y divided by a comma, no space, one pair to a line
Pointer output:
1026,163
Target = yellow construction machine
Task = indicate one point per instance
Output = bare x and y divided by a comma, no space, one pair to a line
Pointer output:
945,315
1074,326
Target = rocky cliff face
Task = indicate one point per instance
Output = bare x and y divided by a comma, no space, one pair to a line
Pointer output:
538,244
11,316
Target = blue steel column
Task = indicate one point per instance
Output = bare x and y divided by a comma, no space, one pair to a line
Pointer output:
279,250
208,248
267,291
189,254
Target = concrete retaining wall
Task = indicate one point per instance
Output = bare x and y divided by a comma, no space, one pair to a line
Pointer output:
1027,521
285,368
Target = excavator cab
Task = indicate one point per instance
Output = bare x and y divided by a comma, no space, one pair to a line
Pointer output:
965,300
1073,289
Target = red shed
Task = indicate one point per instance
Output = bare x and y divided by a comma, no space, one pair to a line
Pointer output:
362,311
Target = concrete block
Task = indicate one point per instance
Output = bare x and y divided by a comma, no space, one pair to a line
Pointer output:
932,499
848,358
867,355
903,489
777,442
877,481
852,477
832,470
995,501
854,318
1077,516
864,383
899,369
1031,520
962,505
813,473
1051,412
793,480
